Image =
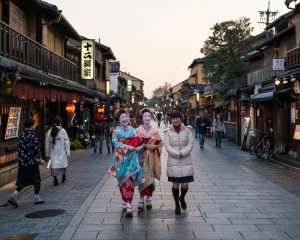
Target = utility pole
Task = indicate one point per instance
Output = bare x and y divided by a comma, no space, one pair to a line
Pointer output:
266,16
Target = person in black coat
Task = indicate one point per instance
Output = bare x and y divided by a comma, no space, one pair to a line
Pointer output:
29,156
201,124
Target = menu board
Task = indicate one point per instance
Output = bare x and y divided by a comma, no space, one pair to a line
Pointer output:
12,128
297,132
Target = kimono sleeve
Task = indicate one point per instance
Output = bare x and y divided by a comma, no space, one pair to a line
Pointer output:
35,148
117,143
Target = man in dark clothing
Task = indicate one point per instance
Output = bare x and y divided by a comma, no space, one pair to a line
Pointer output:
201,125
99,126
108,130
159,116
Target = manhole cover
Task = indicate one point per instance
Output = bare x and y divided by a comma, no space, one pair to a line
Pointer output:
160,214
21,237
45,213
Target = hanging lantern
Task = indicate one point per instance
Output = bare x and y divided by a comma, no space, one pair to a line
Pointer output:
70,108
100,110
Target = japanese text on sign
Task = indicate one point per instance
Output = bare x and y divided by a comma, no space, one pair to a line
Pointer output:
87,59
12,128
278,64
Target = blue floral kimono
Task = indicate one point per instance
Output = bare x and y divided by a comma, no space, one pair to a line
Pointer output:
125,163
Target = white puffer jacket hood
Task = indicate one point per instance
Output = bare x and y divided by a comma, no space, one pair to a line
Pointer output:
176,143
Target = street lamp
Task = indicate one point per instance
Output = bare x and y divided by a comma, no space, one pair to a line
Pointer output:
107,87
197,106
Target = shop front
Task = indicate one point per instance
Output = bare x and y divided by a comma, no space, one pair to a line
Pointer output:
24,99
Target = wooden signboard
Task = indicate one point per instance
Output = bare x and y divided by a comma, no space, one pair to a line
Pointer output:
12,128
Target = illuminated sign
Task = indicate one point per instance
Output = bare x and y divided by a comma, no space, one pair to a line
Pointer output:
87,59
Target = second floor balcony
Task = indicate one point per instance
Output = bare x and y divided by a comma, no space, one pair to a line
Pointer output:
20,48
260,75
292,58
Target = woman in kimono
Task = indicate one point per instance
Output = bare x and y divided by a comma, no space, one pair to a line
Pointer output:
126,160
150,159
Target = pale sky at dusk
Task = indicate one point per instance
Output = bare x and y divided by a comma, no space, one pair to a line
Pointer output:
156,40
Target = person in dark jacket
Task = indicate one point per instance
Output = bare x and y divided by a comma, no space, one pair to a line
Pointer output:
29,156
201,124
99,125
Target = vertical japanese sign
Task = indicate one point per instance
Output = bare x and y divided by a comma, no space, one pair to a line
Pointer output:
129,85
87,59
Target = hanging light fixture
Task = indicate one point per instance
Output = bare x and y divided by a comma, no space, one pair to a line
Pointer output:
70,108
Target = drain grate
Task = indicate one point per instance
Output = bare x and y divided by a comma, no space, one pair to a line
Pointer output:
160,214
45,213
21,237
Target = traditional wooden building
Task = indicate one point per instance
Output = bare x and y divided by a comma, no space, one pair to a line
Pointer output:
39,73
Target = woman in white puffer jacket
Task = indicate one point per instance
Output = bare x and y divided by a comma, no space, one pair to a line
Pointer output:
57,148
178,141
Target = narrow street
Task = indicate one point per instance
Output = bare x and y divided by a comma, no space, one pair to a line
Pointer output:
234,196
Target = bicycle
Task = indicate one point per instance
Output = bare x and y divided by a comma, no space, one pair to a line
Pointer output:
254,139
263,147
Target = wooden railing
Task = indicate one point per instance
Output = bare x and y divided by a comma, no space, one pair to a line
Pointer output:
18,47
260,75
292,58
236,83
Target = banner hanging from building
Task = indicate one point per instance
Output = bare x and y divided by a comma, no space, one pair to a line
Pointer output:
88,59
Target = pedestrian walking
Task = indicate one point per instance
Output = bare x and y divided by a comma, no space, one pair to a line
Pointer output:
159,116
185,119
57,149
150,159
126,165
178,141
29,159
219,129
99,124
195,125
108,130
201,124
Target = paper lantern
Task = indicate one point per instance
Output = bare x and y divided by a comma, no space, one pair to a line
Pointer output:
100,110
70,108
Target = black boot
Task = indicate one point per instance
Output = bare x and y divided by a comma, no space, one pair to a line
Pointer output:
55,181
63,178
181,198
175,192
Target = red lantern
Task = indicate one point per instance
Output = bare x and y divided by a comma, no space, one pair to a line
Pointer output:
70,108
100,110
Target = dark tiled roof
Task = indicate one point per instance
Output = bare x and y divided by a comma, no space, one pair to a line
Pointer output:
197,60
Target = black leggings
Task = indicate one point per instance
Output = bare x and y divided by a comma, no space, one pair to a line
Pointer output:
37,188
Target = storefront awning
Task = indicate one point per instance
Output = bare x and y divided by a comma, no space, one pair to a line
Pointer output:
24,90
264,96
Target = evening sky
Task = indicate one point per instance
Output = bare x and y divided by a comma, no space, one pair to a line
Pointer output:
156,40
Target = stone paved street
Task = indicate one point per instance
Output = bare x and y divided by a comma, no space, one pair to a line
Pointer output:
234,196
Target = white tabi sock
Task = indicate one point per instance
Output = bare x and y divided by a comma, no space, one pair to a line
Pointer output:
128,205
148,198
142,200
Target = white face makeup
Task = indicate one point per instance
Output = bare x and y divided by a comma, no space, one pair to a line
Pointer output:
147,118
124,119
